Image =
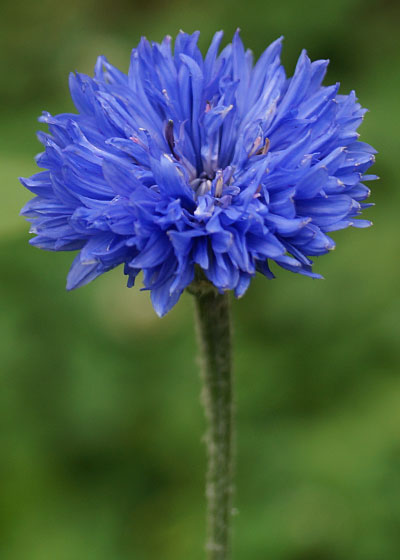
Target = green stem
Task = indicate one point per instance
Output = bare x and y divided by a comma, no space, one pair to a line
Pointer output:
214,330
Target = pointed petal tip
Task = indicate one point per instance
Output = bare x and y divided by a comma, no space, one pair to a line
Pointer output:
73,75
22,212
69,285
161,309
160,314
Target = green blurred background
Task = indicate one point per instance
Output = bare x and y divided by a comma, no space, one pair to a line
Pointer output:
101,425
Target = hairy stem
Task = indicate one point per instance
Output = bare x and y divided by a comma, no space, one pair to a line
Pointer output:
214,332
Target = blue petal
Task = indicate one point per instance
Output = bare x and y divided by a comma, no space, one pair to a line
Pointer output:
81,274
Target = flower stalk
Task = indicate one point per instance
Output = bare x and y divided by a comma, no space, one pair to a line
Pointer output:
214,334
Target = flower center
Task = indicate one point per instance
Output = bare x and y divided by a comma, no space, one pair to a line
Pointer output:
202,184
211,180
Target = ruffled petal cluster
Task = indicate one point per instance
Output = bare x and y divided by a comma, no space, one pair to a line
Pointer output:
190,161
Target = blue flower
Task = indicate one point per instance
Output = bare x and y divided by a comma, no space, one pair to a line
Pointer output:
188,162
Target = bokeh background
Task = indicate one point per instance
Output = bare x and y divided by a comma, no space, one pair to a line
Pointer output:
101,425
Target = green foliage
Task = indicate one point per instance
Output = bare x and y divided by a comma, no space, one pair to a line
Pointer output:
99,409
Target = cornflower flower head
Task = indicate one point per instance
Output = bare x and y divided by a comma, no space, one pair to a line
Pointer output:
186,162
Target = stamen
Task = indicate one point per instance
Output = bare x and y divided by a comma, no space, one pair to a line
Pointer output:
169,136
264,149
257,194
261,151
201,185
256,143
218,186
